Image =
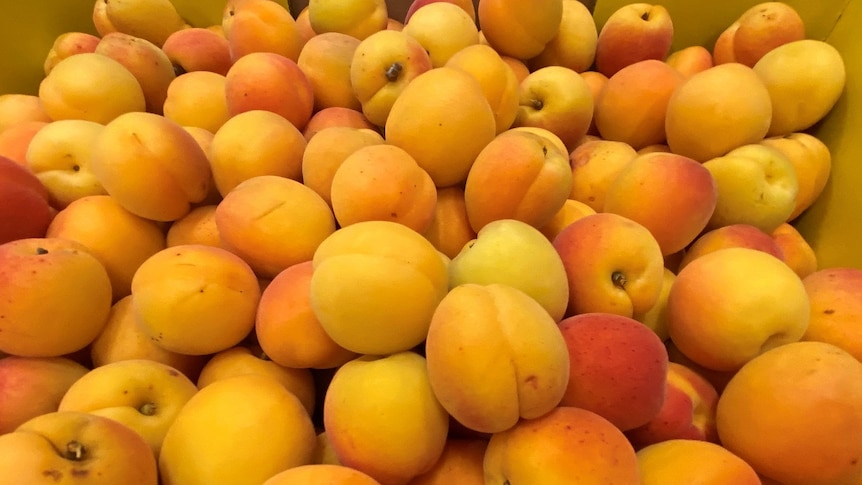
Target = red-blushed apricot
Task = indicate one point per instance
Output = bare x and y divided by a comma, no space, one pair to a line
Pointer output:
269,81
679,207
286,327
531,188
649,84
57,296
564,443
25,210
450,229
262,26
618,368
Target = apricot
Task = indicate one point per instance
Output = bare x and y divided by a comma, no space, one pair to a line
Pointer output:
261,26
478,324
197,99
375,286
336,116
16,108
449,229
531,188
834,308
32,386
321,473
720,317
328,150
357,18
595,165
286,327
498,81
815,386
273,222
196,227
210,294
146,61
91,87
245,359
617,368
120,240
255,143
198,49
123,339
443,29
730,236
392,431
269,81
762,28
138,152
15,140
57,297
456,123
25,211
717,110
564,443
679,208
804,79
517,29
325,59
194,452
648,84
685,461
461,462
383,182
60,154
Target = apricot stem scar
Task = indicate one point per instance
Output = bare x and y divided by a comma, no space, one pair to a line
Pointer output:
394,71
74,450
619,279
147,409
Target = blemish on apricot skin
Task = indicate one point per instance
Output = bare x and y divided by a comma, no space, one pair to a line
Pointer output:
56,475
828,311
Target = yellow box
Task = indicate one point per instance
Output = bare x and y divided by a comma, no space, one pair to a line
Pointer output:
28,28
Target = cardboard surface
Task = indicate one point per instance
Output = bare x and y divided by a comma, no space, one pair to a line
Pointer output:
832,225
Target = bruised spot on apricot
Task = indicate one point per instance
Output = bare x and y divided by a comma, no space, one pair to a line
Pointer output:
56,475
41,251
